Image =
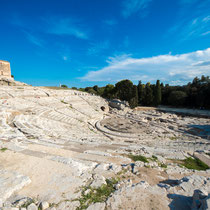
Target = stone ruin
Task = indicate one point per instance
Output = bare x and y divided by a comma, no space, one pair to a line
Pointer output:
5,75
5,70
118,104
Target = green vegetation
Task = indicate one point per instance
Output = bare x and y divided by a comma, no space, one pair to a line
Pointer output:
177,98
64,86
154,158
141,92
27,203
173,138
62,101
138,158
3,149
194,163
192,95
74,88
162,165
134,100
157,94
149,97
93,195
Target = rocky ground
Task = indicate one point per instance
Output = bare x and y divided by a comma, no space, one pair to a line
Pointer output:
60,150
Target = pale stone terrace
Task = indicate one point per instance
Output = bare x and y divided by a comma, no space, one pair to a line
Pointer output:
53,142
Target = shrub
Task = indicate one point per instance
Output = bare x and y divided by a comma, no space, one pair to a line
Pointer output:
64,86
3,149
194,163
138,158
96,195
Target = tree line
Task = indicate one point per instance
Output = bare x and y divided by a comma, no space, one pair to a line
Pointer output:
195,94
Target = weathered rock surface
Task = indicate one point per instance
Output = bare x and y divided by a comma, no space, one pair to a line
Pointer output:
51,137
11,182
139,196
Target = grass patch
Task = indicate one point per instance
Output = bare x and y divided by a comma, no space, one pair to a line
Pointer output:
92,130
162,165
138,158
62,101
95,195
57,88
154,158
194,163
3,149
173,138
27,203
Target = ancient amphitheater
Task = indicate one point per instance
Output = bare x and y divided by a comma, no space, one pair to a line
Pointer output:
60,150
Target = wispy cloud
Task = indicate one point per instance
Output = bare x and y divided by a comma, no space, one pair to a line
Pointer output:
191,29
133,6
66,26
65,58
191,25
206,33
168,68
34,39
110,22
96,48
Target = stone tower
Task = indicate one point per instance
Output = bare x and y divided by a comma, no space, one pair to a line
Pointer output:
5,69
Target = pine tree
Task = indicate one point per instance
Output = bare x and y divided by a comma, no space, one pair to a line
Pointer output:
134,100
140,93
157,95
148,99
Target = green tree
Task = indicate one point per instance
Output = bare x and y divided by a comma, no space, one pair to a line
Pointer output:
90,90
109,91
177,98
157,95
124,90
134,100
141,93
95,87
148,99
64,86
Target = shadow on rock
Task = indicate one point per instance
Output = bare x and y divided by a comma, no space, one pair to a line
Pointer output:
180,202
202,131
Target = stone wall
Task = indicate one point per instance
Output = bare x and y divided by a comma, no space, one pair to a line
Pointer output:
5,69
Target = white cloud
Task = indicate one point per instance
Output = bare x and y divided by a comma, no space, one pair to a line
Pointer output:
133,6
191,29
65,58
205,33
33,39
168,68
66,26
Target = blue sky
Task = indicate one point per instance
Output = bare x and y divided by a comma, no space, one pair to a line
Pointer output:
86,42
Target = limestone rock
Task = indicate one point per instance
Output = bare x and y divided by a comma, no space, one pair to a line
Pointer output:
22,201
96,206
98,180
32,207
44,205
138,196
11,182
